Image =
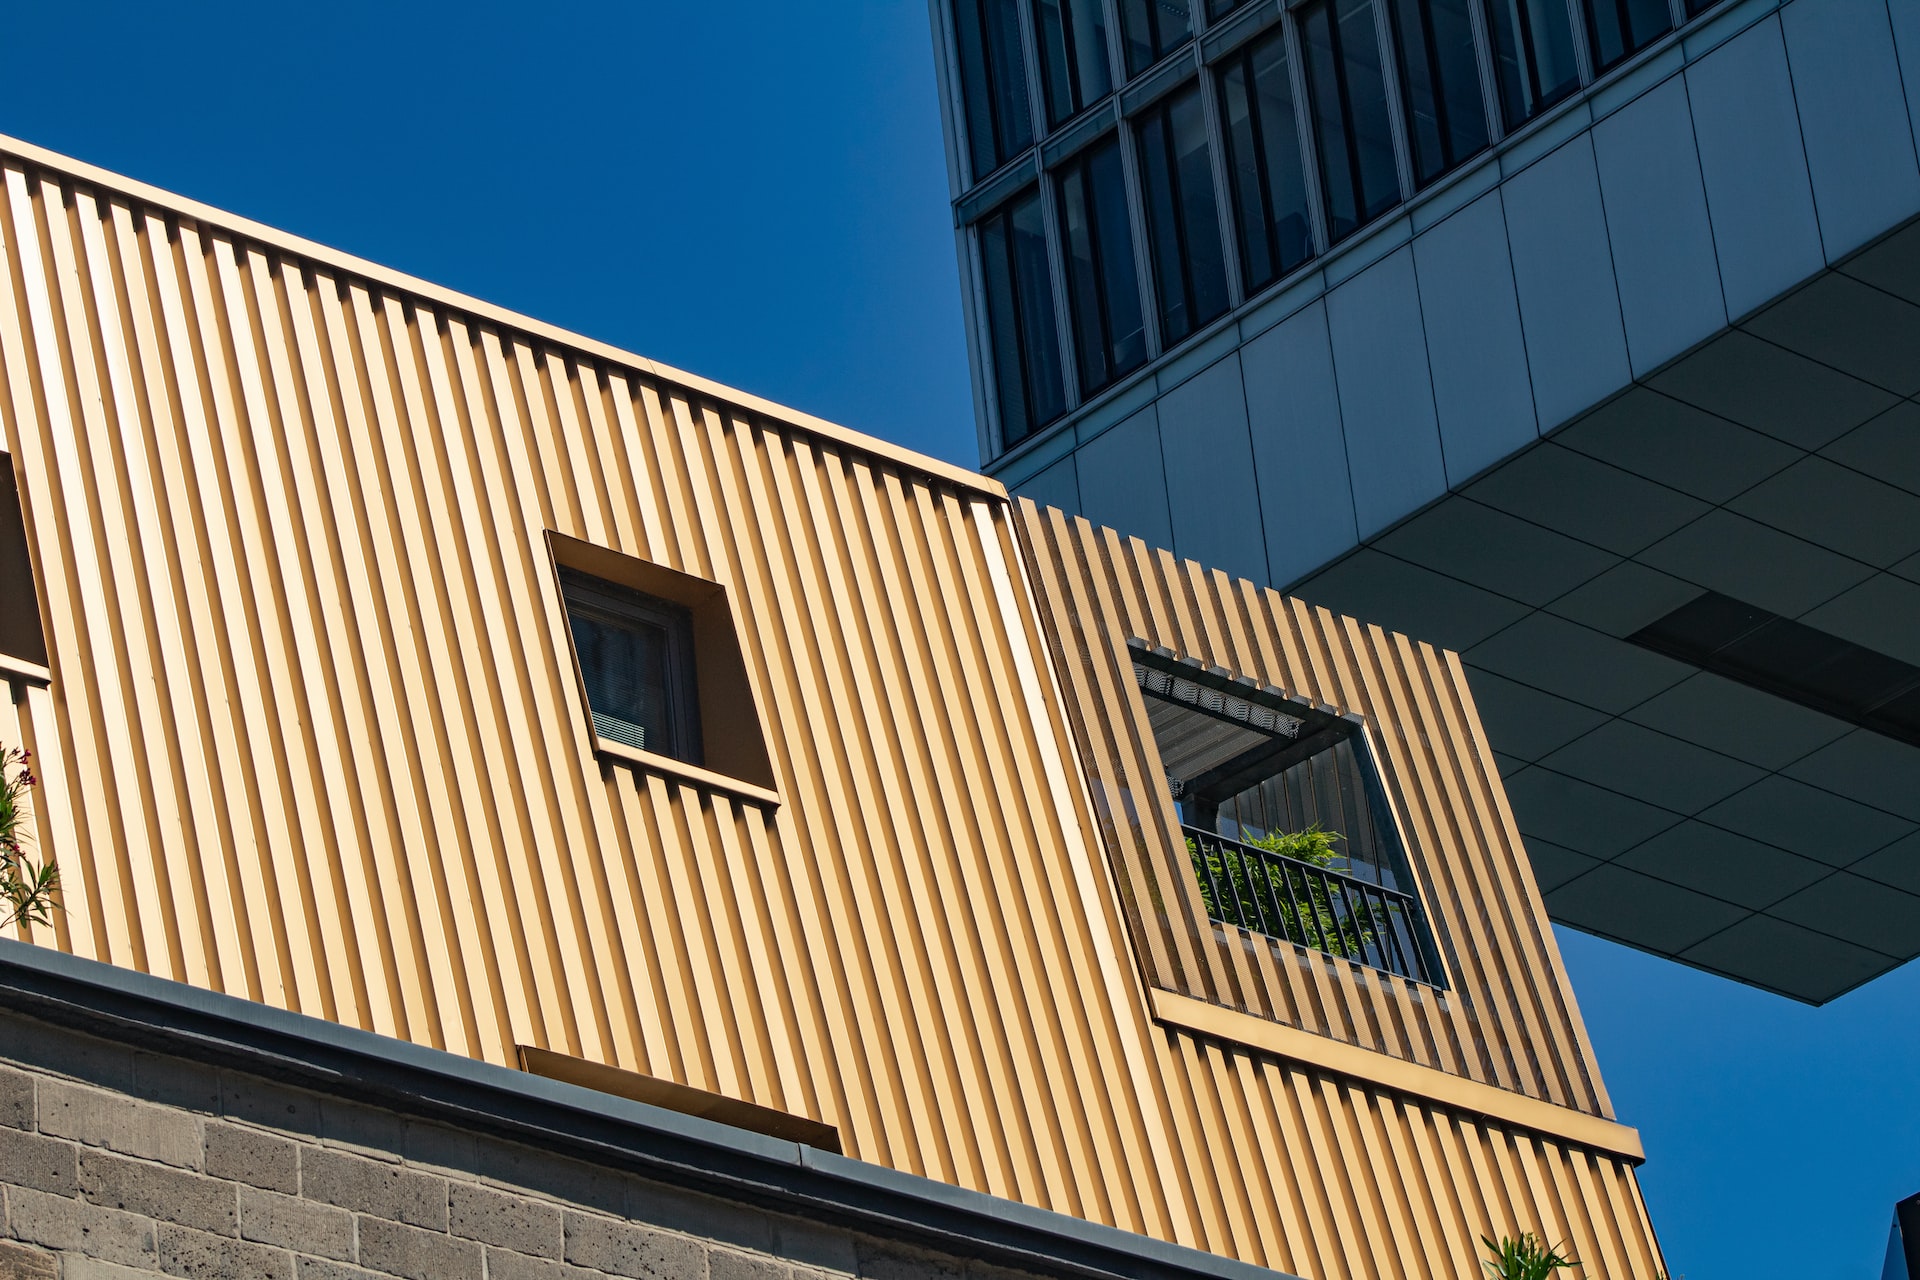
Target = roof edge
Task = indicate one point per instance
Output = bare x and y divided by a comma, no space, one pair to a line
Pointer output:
133,189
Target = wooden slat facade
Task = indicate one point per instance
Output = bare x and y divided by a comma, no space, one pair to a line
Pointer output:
313,737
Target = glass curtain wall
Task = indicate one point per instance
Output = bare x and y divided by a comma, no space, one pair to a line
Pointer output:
1617,29
1153,28
1025,342
1183,221
1073,54
1218,9
1440,73
1108,327
993,81
1269,187
1347,86
1532,56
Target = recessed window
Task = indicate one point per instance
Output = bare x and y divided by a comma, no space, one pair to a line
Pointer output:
637,663
1532,56
1073,54
1154,28
1183,221
993,81
1109,333
20,633
1285,821
1446,116
1791,660
1026,344
1263,162
1618,29
1347,86
662,677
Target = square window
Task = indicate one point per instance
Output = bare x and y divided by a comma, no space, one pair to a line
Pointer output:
1285,819
637,664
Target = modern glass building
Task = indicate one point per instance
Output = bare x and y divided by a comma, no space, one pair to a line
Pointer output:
1580,336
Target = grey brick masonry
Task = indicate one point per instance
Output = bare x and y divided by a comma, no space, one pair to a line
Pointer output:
118,1164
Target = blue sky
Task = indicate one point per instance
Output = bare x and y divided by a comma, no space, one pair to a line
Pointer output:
757,192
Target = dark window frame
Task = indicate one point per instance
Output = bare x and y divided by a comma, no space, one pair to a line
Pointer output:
607,603
1193,314
1364,211
1523,58
1622,15
1002,140
1242,62
1439,89
1113,365
1078,97
1157,44
1036,413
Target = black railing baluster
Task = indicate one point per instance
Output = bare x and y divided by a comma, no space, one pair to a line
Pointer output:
1319,909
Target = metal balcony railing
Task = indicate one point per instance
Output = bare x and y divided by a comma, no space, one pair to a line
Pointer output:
1313,906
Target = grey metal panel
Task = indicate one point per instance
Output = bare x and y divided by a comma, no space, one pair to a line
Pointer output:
1563,273
1057,486
1386,394
1122,481
1658,226
1299,450
1481,390
1859,140
1209,461
1754,168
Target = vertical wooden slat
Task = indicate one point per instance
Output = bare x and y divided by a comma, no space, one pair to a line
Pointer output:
291,523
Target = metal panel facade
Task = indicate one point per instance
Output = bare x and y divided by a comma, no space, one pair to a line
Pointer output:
313,737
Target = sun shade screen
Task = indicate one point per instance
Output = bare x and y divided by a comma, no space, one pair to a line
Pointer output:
625,669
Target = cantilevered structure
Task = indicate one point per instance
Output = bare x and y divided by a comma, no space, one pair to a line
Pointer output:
416,666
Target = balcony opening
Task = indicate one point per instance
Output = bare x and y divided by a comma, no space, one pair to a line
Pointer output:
1285,820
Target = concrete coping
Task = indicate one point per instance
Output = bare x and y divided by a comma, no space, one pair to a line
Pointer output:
687,1151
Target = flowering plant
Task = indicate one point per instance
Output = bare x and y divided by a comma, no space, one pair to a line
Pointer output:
26,887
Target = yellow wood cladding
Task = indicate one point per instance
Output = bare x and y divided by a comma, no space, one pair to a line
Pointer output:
1507,1016
313,737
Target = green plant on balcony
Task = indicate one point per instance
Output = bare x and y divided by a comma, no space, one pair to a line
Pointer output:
1526,1258
1302,901
27,887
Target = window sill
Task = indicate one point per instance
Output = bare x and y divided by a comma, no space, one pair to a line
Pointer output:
12,668
1429,1084
691,774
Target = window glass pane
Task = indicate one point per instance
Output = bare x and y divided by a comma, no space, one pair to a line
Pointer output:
625,668
1182,218
1073,54
1618,28
1349,96
1263,162
1697,7
1025,343
1532,55
1153,28
1109,335
993,81
1221,8
1445,116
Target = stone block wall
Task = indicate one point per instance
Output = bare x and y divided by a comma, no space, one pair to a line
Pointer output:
117,1163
